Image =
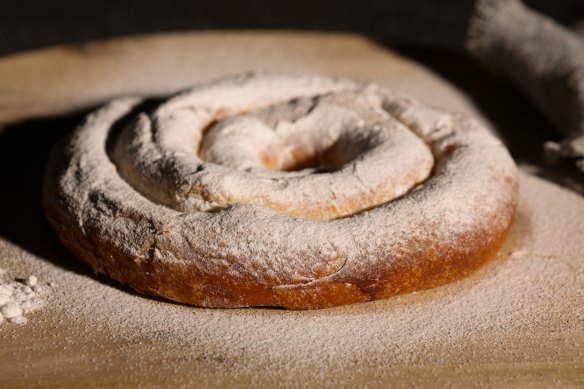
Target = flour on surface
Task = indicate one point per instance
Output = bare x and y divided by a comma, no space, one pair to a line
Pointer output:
19,297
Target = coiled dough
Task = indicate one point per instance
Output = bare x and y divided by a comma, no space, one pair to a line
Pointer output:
296,191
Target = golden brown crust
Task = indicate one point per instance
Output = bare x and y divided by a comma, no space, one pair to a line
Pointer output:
175,282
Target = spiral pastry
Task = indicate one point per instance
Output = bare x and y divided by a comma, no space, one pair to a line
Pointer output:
295,191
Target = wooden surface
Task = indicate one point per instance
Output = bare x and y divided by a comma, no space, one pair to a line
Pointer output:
41,97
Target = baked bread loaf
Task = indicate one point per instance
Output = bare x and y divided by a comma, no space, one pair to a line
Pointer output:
295,191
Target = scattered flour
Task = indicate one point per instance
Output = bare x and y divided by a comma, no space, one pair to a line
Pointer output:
19,297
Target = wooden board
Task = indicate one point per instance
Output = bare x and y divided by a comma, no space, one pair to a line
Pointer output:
67,346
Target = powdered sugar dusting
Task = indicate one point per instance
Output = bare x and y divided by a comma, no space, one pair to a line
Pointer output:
19,297
275,123
472,194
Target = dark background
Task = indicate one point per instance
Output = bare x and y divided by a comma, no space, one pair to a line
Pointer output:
27,24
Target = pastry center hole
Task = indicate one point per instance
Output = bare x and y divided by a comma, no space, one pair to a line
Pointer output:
293,157
301,136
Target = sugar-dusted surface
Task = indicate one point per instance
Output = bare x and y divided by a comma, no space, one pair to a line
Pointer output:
232,141
19,297
525,307
250,255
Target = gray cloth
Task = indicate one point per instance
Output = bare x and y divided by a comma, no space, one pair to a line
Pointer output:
543,59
